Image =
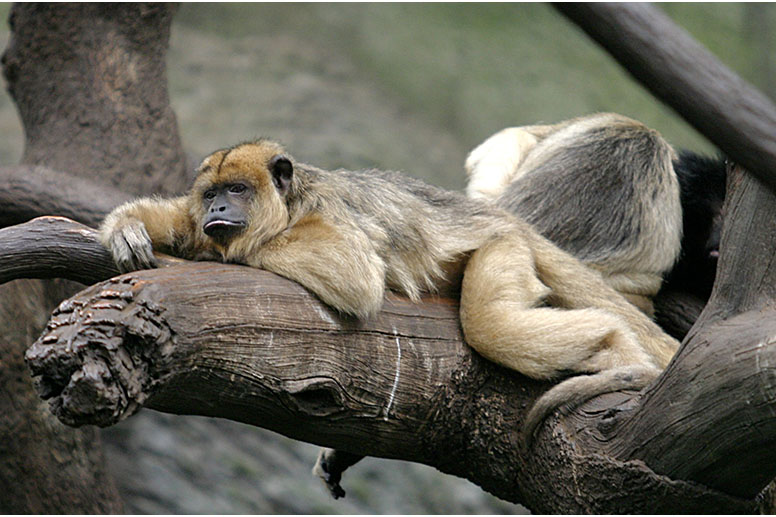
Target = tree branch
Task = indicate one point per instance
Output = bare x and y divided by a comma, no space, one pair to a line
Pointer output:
678,70
401,385
57,247
30,191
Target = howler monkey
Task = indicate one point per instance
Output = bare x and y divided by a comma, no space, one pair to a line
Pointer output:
593,184
347,236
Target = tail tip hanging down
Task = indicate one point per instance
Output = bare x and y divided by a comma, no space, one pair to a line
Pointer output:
570,393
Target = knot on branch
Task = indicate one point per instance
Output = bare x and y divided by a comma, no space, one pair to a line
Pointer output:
319,396
101,354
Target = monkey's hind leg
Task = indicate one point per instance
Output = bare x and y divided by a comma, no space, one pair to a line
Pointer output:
503,319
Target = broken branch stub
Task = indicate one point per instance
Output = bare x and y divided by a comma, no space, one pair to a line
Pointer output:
101,354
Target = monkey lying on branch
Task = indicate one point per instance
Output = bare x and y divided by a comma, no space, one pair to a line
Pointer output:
347,236
596,186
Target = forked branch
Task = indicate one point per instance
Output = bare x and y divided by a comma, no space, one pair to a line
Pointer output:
244,344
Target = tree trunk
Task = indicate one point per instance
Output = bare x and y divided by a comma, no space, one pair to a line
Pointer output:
89,83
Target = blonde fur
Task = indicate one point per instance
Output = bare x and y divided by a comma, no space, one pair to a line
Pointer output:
601,187
348,235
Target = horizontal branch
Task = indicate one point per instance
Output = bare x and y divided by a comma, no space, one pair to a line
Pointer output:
56,247
31,191
244,344
678,70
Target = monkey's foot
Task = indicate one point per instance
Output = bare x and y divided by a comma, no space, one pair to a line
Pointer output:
329,467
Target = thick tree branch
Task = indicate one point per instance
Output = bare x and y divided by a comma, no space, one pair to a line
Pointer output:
30,191
56,247
678,70
402,385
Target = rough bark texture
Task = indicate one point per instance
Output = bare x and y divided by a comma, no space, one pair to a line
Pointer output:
402,385
89,83
678,70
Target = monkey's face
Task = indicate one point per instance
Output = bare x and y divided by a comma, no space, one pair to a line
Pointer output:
239,197
226,206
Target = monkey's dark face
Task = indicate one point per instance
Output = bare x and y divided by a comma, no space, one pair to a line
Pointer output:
239,197
227,206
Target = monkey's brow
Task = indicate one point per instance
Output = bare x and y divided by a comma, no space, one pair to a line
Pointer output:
223,158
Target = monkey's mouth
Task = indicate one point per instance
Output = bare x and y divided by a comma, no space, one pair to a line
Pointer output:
221,229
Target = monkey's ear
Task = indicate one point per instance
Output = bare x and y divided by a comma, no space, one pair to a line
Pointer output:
282,171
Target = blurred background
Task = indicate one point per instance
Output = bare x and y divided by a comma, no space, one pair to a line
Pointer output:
410,87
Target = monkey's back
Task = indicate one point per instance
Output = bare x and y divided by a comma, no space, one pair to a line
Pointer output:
420,231
615,198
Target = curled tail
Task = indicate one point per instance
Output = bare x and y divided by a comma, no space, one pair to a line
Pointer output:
572,392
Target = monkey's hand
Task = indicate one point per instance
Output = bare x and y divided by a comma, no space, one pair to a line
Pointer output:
130,245
330,476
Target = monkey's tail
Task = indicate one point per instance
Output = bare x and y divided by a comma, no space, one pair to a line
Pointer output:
572,392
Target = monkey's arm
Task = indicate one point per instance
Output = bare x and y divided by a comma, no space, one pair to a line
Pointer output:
132,231
339,265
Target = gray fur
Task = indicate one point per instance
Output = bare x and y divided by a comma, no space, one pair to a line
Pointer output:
594,192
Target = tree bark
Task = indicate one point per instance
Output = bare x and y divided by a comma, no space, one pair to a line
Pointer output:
402,385
89,83
678,70
91,87
32,190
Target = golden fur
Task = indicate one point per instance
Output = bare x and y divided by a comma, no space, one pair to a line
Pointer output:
348,235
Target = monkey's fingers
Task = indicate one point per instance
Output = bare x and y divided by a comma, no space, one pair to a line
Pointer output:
132,249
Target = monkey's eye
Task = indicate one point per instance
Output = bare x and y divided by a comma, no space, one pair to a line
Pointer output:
209,195
237,188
